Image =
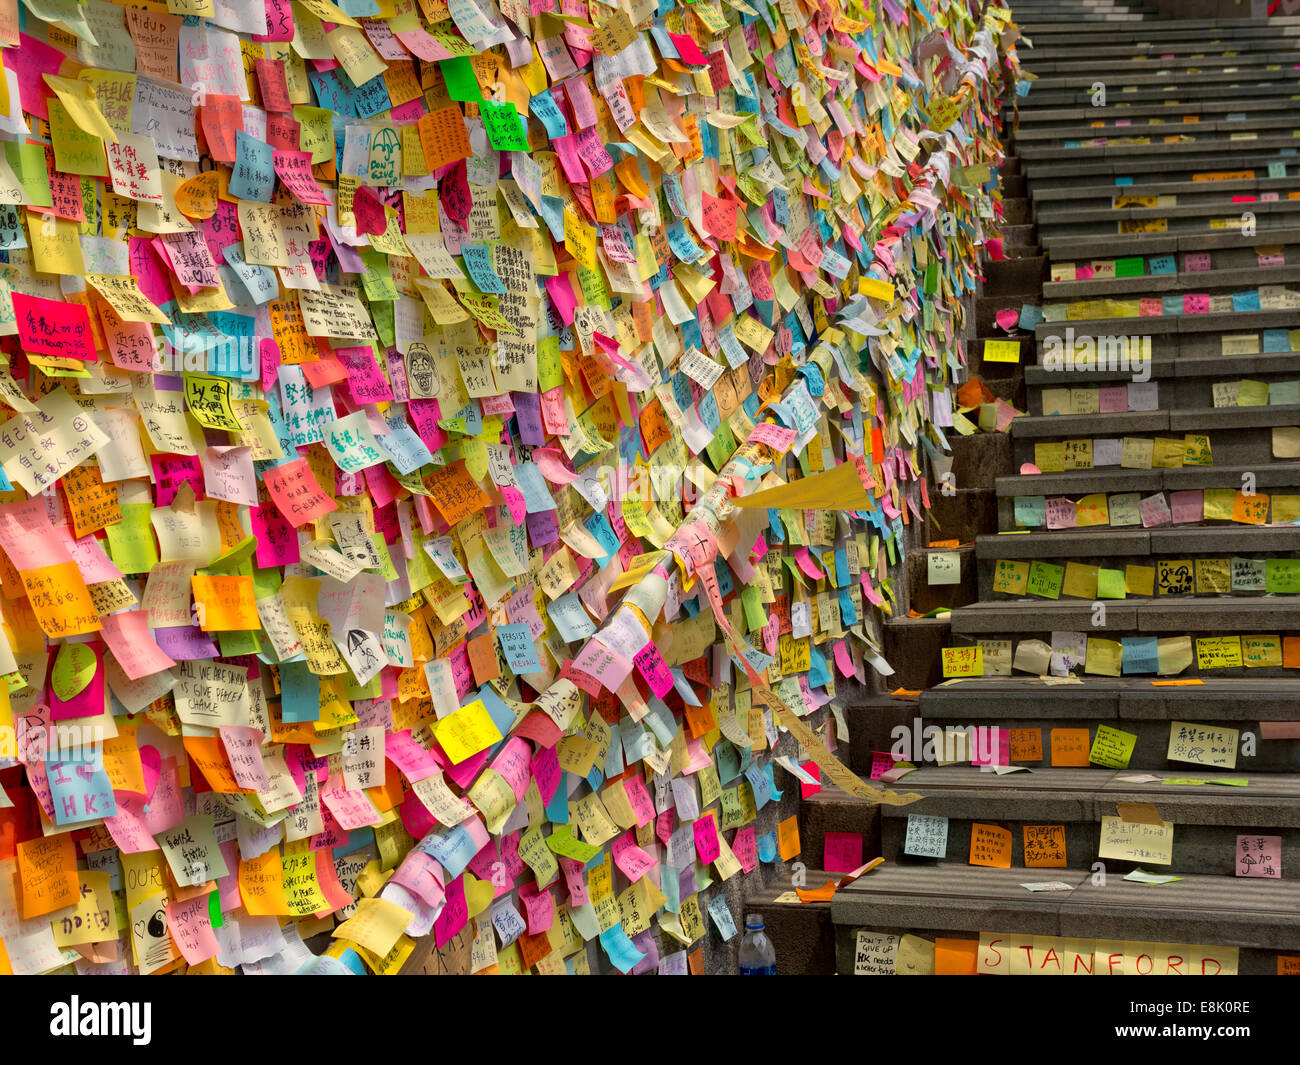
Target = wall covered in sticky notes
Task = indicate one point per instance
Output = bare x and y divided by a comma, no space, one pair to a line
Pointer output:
385,398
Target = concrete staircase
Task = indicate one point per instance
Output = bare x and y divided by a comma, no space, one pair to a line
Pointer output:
1132,212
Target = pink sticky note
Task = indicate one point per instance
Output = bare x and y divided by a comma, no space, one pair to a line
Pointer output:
52,327
996,252
706,838
807,790
1196,303
843,660
843,852
189,923
1112,400
1007,319
131,640
1150,307
745,848
1186,506
1259,856
805,560
454,914
881,763
1028,469
1083,273
650,664
1196,261
1154,510
1061,513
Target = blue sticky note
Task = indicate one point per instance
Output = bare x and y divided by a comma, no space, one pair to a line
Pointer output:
452,848
620,950
517,646
478,264
80,790
548,112
299,693
1246,301
1031,511
767,848
1140,654
253,176
1276,340
1162,264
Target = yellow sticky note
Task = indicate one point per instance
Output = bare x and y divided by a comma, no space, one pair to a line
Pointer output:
467,731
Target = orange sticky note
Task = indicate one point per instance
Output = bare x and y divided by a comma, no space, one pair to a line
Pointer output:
821,894
47,869
297,493
1026,744
197,197
955,957
443,137
209,754
1044,846
1291,652
990,845
225,603
454,492
1070,746
59,598
261,885
1288,965
787,838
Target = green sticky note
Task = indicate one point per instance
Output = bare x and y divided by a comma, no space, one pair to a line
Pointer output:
1253,394
1284,394
131,541
755,614
1131,266
1112,747
27,161
505,129
1276,170
462,84
1045,580
1031,511
1110,584
214,909
1281,575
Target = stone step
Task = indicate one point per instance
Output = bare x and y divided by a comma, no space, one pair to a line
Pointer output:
1187,392
1197,616
1124,78
1109,479
1207,818
1258,914
1247,88
1228,277
1104,542
1240,436
802,934
913,647
831,810
1131,704
1174,373
1099,204
927,597
1004,277
1218,243
1156,127
1109,62
960,514
1229,32
1034,119
1269,215
1141,168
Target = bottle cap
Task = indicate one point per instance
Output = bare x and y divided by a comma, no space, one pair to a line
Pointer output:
754,920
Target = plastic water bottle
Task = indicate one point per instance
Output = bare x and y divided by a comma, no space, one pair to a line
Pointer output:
757,955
